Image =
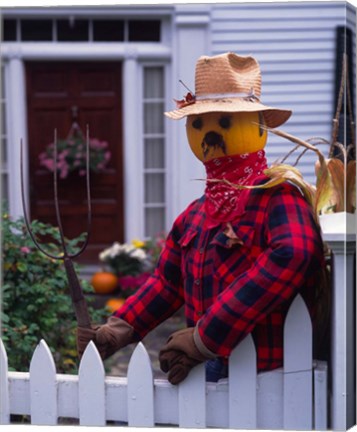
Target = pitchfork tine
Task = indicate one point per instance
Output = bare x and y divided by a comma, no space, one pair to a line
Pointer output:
58,214
25,210
55,193
89,207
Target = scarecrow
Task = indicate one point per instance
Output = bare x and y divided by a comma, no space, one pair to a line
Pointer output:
237,256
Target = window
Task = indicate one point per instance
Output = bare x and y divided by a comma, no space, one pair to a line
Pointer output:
3,131
73,29
9,29
108,31
154,151
144,31
36,30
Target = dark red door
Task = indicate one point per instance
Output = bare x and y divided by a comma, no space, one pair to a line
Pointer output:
54,92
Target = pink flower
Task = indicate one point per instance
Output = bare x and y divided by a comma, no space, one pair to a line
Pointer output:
25,249
48,163
64,171
94,143
107,156
63,154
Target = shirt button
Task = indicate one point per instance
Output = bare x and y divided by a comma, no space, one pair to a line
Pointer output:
199,313
197,282
201,251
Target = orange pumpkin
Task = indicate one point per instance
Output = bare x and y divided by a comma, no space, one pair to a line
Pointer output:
114,304
104,282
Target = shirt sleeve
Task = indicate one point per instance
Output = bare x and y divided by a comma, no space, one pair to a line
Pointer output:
162,294
294,252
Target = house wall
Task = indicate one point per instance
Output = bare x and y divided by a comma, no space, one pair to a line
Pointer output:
295,46
294,43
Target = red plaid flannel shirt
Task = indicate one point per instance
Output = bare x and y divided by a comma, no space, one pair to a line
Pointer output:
232,288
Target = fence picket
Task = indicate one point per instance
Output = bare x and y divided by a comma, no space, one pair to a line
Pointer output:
286,394
298,367
140,389
320,396
192,399
43,387
91,388
243,386
4,387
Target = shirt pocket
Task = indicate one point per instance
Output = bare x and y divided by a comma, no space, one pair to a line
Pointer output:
233,252
187,244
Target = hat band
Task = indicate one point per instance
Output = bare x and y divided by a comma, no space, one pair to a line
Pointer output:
226,96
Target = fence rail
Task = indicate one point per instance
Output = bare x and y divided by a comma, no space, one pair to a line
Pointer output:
294,397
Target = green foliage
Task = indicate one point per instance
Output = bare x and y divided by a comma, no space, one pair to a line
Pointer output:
36,302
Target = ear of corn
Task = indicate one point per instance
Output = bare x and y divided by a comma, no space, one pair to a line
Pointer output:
351,187
330,186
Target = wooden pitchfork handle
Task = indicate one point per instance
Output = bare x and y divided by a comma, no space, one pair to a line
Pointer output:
78,300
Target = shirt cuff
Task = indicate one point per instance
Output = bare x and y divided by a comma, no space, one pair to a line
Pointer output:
201,346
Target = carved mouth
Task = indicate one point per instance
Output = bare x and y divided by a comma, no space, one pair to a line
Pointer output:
212,140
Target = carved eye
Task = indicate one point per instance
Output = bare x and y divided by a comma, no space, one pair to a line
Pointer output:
197,123
225,122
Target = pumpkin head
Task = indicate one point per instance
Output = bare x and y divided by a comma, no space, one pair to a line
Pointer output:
218,134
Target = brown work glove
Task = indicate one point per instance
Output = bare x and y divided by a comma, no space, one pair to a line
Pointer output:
108,338
180,354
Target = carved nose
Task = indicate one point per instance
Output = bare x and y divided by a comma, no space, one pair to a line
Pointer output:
212,138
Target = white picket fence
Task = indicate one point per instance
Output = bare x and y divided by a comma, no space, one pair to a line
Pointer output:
294,397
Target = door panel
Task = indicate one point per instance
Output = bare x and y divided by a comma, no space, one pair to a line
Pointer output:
95,89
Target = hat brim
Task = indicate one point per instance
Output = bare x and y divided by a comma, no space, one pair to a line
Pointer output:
273,117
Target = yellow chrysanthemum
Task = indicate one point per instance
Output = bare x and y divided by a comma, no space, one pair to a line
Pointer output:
139,244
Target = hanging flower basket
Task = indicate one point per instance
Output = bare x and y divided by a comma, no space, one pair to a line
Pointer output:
71,154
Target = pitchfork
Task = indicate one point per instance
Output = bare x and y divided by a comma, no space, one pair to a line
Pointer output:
78,300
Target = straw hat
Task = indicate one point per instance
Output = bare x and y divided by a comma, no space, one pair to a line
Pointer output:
227,83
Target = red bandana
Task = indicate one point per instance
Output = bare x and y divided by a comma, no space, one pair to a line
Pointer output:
223,202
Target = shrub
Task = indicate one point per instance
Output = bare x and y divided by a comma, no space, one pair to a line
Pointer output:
35,297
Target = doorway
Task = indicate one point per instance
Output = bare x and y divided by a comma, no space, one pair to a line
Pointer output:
90,93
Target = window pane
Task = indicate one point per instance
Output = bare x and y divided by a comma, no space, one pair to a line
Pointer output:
153,118
36,30
4,187
2,77
3,119
108,30
76,30
144,31
154,82
154,221
154,153
3,152
154,188
9,30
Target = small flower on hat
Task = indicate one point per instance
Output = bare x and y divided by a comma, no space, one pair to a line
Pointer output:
189,99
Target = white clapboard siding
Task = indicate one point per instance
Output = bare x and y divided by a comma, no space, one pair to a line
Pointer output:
91,388
140,389
283,398
43,387
295,45
4,387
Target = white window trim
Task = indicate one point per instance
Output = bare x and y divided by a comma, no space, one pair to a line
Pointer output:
167,186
